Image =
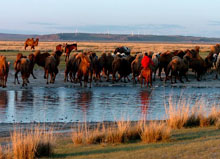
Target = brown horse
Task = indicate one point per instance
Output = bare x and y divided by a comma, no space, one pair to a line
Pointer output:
146,75
40,59
84,66
17,65
179,67
68,48
59,48
51,66
31,43
4,69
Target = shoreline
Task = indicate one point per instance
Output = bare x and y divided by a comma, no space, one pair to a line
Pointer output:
57,127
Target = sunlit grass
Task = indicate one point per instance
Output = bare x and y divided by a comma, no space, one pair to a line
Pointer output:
29,144
182,113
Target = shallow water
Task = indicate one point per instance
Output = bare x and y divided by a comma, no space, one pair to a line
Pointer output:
65,104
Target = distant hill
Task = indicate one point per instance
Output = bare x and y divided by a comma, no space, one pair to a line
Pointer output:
110,38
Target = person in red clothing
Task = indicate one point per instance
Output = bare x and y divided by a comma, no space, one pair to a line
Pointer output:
146,72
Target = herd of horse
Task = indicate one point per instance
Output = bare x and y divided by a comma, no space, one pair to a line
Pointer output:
87,66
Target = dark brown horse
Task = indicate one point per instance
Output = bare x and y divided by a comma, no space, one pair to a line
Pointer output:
68,49
31,43
40,59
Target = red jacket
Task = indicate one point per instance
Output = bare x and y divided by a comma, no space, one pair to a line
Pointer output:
146,61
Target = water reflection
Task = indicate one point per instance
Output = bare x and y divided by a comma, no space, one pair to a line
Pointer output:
84,100
3,99
145,96
23,98
96,104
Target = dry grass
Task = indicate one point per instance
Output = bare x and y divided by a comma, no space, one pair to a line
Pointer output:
180,115
2,154
122,132
154,132
77,136
114,133
5,152
32,143
177,113
99,47
118,133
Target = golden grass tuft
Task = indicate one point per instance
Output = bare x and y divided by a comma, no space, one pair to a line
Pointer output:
95,136
114,133
177,113
32,143
154,132
118,133
121,132
77,136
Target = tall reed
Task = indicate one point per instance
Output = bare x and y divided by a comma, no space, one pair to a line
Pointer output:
32,143
180,114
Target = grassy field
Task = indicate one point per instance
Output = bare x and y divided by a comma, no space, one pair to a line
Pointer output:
184,143
11,48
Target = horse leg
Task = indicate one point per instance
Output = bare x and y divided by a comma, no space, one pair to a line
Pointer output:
16,77
175,77
33,75
171,77
108,76
160,70
186,78
66,75
141,81
23,79
44,73
155,75
90,83
133,77
46,76
51,77
128,79
180,76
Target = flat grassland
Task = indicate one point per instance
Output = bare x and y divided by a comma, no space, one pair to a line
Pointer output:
11,48
185,143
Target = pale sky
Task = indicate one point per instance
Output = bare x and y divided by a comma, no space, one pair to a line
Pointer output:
157,17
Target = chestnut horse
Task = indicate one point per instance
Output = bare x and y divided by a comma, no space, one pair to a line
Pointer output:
59,48
31,43
68,48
